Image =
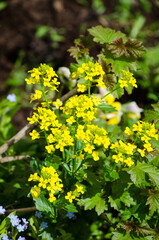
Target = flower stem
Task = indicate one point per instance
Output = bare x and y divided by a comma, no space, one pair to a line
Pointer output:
110,92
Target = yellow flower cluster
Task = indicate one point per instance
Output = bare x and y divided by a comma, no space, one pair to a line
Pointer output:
145,132
45,117
90,72
60,137
74,194
45,76
123,152
60,134
127,79
48,180
92,136
81,107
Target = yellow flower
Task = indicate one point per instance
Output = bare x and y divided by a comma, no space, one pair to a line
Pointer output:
141,151
128,131
57,103
50,148
70,197
71,120
35,192
127,79
34,134
79,189
95,156
128,162
81,87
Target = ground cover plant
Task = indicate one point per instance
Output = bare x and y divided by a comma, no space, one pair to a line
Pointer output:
92,167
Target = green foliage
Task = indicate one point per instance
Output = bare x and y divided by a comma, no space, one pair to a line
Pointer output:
3,5
79,162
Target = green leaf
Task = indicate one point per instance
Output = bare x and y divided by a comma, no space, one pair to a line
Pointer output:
5,224
152,115
105,35
121,64
127,199
45,236
42,204
114,203
3,5
153,201
96,202
137,174
121,236
70,208
106,108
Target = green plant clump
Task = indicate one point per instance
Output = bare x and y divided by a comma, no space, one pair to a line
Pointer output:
93,176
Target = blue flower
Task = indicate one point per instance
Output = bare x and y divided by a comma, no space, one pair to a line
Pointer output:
44,225
25,221
21,238
2,210
11,97
38,214
14,220
5,237
70,215
21,228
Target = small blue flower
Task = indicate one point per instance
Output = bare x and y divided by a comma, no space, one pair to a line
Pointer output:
25,221
21,238
70,215
38,214
14,220
44,225
11,97
5,237
2,210
21,228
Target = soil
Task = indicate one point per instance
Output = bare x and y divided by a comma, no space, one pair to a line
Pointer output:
20,20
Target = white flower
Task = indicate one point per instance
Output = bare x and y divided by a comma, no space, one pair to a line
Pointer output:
133,107
64,71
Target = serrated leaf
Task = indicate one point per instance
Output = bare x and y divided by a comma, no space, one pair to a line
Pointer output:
153,201
127,199
137,173
144,230
105,35
152,115
129,48
121,236
81,47
117,65
96,201
70,208
114,203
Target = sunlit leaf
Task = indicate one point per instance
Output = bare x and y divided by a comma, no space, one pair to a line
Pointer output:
105,35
